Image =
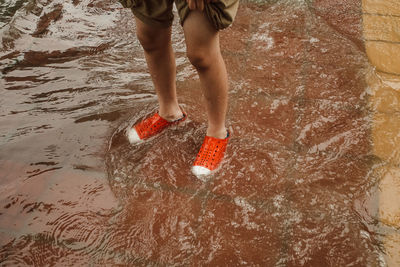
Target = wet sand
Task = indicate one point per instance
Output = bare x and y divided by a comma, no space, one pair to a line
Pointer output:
296,188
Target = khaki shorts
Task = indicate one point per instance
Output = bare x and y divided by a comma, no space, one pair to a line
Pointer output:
159,12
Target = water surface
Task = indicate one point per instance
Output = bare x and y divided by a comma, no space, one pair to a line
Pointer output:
293,189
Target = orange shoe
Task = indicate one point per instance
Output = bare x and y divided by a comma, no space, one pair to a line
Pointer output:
210,155
150,127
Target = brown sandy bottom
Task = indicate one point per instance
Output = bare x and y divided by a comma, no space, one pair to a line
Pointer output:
292,191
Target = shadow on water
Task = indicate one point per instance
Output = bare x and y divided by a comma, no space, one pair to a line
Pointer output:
295,187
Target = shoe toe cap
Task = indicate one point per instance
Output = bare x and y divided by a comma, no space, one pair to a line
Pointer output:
133,136
200,171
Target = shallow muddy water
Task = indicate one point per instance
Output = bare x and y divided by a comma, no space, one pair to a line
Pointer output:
298,185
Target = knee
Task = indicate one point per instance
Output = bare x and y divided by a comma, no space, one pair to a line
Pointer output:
200,59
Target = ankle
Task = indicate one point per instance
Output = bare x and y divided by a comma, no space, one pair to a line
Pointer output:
171,113
217,133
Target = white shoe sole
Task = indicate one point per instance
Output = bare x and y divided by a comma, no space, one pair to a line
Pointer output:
133,136
200,171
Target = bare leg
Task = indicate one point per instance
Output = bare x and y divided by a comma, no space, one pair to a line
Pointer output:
160,59
203,50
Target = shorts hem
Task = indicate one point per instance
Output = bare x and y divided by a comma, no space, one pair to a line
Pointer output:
150,21
220,16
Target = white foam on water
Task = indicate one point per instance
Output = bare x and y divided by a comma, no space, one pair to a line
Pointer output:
264,37
247,209
314,40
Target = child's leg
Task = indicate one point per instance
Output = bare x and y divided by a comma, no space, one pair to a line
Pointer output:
160,59
202,41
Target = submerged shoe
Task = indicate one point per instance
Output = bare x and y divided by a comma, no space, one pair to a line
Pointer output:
150,127
210,155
